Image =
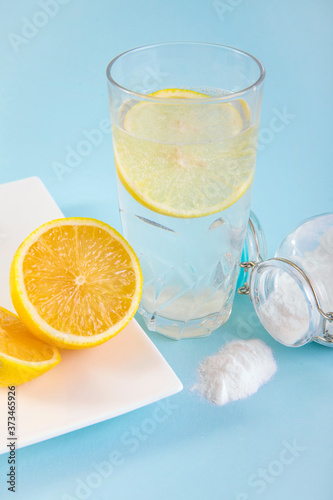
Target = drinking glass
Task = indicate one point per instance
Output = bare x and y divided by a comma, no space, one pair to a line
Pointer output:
185,120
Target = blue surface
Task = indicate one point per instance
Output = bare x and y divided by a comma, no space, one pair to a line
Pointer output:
52,88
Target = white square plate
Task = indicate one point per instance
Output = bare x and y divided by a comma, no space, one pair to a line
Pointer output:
88,386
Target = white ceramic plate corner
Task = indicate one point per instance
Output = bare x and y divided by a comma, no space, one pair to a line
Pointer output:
88,386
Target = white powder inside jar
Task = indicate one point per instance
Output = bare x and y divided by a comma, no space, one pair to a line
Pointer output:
285,314
236,371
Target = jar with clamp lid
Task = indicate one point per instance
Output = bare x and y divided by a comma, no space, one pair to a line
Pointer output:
292,293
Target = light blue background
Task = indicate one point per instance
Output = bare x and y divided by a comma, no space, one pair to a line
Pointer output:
52,88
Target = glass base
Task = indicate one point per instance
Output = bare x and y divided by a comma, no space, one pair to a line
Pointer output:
177,330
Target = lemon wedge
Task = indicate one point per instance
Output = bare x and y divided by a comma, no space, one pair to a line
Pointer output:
22,356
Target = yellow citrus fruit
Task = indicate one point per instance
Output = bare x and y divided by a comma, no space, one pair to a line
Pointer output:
75,282
185,155
22,356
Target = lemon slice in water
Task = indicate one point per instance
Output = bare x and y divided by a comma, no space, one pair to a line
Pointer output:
185,159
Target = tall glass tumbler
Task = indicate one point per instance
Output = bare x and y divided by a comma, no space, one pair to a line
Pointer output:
185,120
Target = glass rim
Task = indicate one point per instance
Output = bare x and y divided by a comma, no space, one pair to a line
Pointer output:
225,97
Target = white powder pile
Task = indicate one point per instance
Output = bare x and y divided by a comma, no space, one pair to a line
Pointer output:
236,371
285,313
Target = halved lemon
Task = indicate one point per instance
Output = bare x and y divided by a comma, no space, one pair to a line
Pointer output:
75,282
188,156
22,356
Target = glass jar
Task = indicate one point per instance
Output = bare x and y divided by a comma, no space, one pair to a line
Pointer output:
292,293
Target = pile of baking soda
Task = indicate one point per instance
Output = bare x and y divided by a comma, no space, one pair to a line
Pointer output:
236,371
